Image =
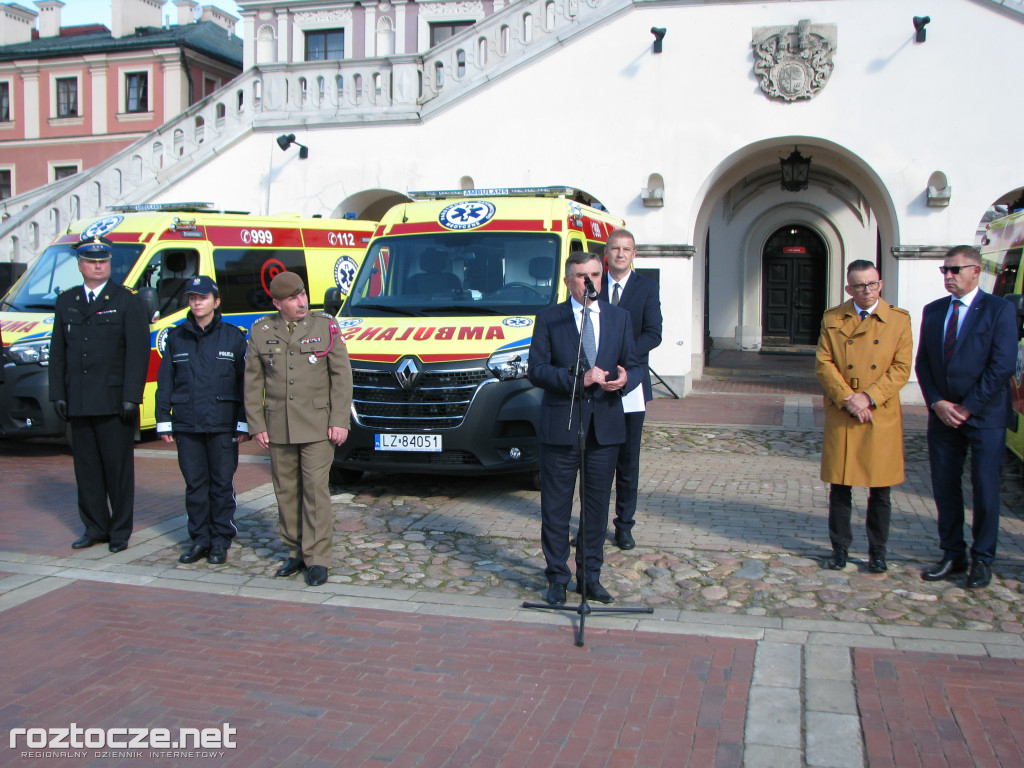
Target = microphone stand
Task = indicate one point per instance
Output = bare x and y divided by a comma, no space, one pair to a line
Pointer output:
583,609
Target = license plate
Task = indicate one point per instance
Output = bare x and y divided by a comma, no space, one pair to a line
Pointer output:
422,443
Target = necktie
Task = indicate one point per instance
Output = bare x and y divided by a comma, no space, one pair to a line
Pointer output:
291,328
589,344
92,297
615,295
864,314
951,328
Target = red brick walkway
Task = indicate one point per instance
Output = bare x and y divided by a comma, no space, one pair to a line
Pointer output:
923,710
323,686
39,494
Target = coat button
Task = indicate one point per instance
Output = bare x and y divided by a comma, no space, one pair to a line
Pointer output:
849,367
850,341
873,367
876,341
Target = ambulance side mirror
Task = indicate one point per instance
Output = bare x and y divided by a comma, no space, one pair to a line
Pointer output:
333,301
1017,300
150,303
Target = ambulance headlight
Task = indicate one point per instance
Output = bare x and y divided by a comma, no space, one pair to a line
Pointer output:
29,352
511,364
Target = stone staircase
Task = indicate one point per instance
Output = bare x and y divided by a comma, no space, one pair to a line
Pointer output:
279,97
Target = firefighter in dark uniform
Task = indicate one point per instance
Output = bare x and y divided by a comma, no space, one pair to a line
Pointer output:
199,405
298,393
99,354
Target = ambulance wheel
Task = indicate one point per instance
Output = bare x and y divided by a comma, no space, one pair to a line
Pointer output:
534,479
342,477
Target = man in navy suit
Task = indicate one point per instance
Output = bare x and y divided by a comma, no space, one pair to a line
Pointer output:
611,369
967,352
638,295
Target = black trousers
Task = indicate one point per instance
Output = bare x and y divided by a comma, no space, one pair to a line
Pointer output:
559,467
208,462
627,472
103,448
840,509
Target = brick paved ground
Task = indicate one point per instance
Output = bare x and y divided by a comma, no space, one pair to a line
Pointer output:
939,710
331,686
754,657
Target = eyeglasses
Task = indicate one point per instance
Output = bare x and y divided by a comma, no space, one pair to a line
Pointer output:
956,270
872,286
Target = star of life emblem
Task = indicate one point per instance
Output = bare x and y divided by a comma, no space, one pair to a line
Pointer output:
468,214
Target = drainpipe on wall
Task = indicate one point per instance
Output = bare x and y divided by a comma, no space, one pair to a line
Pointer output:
188,76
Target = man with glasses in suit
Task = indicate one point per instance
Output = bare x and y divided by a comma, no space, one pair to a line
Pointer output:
967,352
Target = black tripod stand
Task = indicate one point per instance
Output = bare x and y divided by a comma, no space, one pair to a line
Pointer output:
583,609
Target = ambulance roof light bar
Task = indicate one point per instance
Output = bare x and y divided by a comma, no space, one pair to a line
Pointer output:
441,194
163,207
570,193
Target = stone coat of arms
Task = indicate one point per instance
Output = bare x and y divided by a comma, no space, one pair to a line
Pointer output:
794,62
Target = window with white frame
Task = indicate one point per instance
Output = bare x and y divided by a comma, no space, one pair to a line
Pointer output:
442,30
6,183
136,92
67,96
325,44
5,102
63,171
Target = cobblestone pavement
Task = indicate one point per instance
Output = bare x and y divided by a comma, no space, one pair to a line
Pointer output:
731,521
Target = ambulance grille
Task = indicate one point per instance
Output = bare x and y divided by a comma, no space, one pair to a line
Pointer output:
439,399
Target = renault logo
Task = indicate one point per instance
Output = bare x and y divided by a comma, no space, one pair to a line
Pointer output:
407,373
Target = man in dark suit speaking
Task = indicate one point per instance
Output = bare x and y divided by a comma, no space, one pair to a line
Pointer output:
638,295
611,370
968,349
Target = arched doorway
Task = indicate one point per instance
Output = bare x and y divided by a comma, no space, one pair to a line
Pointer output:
794,287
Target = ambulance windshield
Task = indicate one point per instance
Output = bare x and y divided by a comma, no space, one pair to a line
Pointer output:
457,273
56,270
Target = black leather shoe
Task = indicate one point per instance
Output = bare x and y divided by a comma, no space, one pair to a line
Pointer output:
555,594
87,541
117,546
291,565
194,553
218,554
980,575
624,539
597,592
945,568
876,563
316,576
838,560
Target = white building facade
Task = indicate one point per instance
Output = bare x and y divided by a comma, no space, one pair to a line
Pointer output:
911,143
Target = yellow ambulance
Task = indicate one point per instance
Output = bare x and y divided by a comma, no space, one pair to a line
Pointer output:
1001,275
157,250
439,321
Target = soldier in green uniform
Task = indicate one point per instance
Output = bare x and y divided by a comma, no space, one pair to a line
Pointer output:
298,394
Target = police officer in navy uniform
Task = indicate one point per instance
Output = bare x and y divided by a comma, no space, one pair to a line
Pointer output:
99,354
199,405
298,397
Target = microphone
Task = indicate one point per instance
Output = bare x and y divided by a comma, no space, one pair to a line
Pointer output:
591,290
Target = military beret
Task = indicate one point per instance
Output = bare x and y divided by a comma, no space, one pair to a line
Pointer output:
94,249
286,285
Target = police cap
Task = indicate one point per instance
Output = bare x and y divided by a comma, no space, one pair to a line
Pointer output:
202,285
285,285
94,249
